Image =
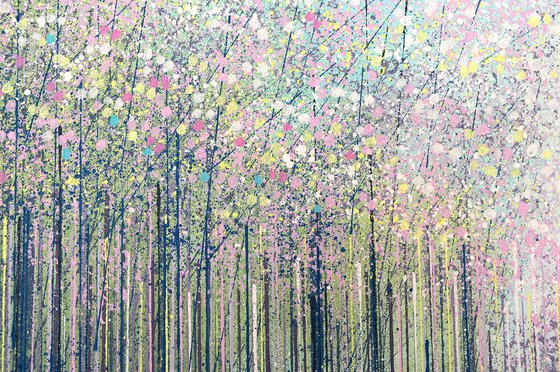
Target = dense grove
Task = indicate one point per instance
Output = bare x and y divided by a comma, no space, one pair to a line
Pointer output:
279,185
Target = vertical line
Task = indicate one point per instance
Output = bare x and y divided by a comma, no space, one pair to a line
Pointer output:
82,344
4,291
414,309
123,342
420,293
189,330
448,307
557,319
391,327
255,328
127,332
140,333
178,312
466,311
247,348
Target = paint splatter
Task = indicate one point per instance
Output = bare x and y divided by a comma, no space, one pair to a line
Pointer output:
279,185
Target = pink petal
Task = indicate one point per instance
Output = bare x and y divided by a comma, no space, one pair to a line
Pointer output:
165,83
382,140
116,34
166,112
198,125
482,130
239,142
350,155
159,148
101,144
127,97
153,82
20,61
314,82
523,209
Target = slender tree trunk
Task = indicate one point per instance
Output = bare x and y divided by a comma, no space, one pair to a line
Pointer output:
406,336
391,328
427,351
104,293
266,305
56,363
178,312
466,313
83,268
441,322
4,263
326,329
490,356
292,322
373,288
317,346
247,313
27,329
255,327
239,328
198,316
368,326
122,335
17,301
338,354
152,281
89,300
301,289
161,284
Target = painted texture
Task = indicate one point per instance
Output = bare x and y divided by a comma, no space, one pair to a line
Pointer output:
279,185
